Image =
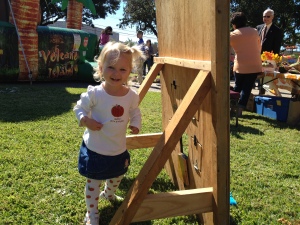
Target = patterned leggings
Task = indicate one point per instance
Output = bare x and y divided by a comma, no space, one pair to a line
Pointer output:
92,191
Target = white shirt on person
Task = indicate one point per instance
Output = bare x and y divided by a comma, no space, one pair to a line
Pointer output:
114,112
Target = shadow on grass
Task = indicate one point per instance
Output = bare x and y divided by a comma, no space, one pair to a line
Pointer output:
25,102
159,185
254,119
233,221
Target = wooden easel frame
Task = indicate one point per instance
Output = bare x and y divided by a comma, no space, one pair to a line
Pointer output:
138,206
207,97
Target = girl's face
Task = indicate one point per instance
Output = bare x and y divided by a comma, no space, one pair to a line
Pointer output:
116,74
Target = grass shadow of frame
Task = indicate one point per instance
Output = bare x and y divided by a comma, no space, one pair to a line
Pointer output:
23,102
253,120
159,185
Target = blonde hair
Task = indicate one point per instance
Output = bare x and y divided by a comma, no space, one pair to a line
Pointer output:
112,52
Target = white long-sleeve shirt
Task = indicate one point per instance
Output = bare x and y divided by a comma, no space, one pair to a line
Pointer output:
114,112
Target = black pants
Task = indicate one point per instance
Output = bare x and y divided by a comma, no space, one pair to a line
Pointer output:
148,63
243,85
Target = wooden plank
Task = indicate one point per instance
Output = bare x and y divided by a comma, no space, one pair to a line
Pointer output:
176,203
142,140
186,63
184,28
162,151
220,110
149,80
196,36
175,82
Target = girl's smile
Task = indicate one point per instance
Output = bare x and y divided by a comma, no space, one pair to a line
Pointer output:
116,73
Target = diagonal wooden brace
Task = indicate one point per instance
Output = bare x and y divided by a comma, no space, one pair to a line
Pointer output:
162,151
149,80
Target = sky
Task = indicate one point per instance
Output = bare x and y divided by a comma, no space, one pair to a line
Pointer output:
124,34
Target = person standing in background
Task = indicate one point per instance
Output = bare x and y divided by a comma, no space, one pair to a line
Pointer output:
103,39
140,64
245,42
270,34
149,55
271,38
104,36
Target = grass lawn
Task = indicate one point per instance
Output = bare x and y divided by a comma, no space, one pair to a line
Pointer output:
39,141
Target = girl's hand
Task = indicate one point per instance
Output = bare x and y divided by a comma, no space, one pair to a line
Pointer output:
91,123
134,130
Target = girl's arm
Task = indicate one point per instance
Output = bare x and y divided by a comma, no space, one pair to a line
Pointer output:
90,123
83,109
135,116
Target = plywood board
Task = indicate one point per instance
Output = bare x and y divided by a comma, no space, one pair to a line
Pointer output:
199,30
162,150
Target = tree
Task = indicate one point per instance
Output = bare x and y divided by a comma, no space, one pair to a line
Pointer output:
287,15
129,42
53,12
141,14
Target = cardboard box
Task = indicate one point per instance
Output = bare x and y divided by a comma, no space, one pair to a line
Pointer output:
251,103
273,107
294,113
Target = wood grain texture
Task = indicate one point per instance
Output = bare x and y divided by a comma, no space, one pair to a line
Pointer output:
142,140
186,63
193,37
198,30
152,74
176,203
161,152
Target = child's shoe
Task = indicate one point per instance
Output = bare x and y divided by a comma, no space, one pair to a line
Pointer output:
112,199
92,219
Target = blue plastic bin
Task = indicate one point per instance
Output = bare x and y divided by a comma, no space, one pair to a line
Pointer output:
273,107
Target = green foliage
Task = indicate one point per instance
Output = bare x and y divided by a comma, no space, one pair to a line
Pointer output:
141,14
64,3
87,3
130,42
287,15
40,137
53,10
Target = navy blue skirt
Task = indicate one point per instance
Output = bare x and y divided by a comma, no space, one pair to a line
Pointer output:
101,167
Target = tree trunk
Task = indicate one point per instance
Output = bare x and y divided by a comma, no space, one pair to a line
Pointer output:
26,15
74,15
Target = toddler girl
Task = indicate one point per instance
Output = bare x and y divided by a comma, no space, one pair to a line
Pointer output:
105,110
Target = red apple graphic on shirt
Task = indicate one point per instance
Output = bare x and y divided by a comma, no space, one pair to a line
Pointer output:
117,111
